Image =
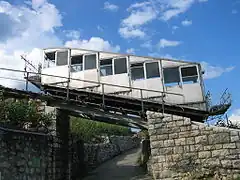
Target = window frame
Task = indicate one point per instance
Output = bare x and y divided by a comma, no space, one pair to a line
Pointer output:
145,69
181,77
127,64
96,67
179,73
106,65
70,64
56,58
144,74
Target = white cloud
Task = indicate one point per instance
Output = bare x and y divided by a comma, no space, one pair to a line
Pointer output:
174,28
73,34
140,14
186,22
147,44
30,29
214,71
38,3
128,32
172,8
94,43
140,17
235,117
130,51
167,43
110,7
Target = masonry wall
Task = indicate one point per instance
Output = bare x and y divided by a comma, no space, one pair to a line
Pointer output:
95,154
183,149
23,156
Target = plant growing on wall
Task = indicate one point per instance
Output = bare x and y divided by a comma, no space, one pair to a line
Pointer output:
23,114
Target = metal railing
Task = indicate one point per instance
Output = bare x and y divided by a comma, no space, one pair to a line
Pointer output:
101,87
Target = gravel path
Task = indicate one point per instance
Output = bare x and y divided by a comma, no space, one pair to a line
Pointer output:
122,167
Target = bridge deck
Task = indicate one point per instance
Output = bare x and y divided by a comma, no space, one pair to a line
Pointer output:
108,102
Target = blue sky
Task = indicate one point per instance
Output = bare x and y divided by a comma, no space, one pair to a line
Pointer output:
206,31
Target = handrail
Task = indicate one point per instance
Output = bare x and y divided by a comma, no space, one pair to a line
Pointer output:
89,81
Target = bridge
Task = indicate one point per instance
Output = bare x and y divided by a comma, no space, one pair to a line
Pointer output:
101,106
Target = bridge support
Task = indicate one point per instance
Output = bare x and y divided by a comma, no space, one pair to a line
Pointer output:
62,152
185,149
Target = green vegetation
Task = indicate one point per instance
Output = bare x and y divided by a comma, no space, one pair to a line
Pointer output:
22,113
89,130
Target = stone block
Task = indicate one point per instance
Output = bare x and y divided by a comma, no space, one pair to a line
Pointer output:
204,154
195,133
235,138
190,140
179,123
165,151
201,139
156,144
220,152
187,121
213,147
163,137
185,134
229,146
180,141
185,128
171,124
236,163
233,133
226,163
178,149
211,162
186,149
161,158
219,138
169,143
173,136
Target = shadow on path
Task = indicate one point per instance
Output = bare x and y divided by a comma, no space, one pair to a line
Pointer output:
122,167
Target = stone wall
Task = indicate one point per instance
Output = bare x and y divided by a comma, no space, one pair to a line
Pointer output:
23,156
183,149
95,154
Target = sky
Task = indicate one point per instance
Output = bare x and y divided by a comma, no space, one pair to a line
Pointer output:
205,31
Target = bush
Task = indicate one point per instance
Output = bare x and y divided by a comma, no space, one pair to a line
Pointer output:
23,113
88,129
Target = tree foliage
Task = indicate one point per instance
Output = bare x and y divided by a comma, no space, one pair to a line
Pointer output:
23,113
88,130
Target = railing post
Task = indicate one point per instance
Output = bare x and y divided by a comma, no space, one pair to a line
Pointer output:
142,105
68,88
27,81
103,96
162,95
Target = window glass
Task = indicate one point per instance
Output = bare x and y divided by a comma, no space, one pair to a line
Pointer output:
152,70
120,65
77,59
137,71
50,55
77,63
189,74
90,61
106,67
171,75
62,58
